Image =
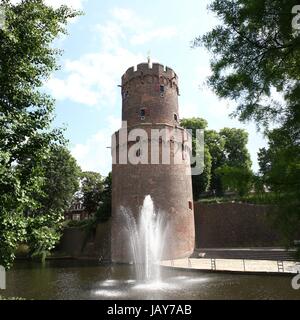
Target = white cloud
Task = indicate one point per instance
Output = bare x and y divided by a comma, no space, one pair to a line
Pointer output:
155,34
141,30
73,87
128,18
94,154
111,35
92,79
211,106
189,110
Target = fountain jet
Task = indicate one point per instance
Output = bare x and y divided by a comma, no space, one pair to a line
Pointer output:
146,239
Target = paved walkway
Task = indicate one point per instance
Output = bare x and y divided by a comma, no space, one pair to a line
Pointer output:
235,265
265,249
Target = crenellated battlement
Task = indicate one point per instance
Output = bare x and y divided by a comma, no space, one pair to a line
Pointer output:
150,95
156,70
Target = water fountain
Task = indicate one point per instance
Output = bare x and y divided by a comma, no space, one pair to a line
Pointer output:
146,236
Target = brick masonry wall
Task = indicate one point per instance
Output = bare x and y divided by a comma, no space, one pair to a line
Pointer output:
74,243
224,225
131,183
142,90
233,225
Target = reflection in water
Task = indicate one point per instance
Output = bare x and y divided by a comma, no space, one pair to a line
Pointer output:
109,293
88,280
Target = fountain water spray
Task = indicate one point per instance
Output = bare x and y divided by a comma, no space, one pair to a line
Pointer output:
146,236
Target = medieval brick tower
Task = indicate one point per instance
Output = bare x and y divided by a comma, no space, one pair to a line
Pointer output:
150,102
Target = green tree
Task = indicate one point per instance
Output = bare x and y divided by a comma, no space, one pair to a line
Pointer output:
279,163
226,147
215,143
27,59
200,182
61,180
43,233
91,191
237,179
194,124
104,211
235,147
255,53
229,146
280,169
61,176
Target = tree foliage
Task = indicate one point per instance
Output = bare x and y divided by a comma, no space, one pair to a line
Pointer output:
216,144
256,62
43,233
104,211
200,182
91,191
194,124
237,179
27,59
226,147
61,180
280,170
255,53
235,150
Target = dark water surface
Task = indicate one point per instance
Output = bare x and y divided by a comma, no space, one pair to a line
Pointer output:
90,280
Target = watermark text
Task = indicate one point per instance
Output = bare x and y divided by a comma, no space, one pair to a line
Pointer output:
2,278
164,146
2,17
296,280
296,19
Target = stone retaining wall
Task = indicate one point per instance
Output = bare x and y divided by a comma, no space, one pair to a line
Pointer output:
229,225
76,242
226,225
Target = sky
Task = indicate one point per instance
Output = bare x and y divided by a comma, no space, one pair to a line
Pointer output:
111,37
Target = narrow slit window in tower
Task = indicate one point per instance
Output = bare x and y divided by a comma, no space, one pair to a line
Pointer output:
143,113
162,90
175,117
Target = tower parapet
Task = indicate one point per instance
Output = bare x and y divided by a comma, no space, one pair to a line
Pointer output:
150,95
145,69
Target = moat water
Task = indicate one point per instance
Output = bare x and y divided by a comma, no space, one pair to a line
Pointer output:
143,279
71,279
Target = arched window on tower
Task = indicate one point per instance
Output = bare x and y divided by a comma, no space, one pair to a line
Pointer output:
175,117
